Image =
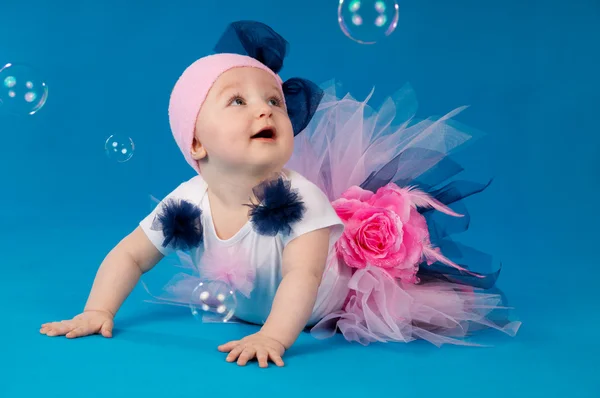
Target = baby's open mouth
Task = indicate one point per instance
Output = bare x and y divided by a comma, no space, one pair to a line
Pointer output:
267,133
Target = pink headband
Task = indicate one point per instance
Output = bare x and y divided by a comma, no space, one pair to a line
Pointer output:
191,90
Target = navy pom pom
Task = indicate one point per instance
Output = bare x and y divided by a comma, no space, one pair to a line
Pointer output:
181,224
279,207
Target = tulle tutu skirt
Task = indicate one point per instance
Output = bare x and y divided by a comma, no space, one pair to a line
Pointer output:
348,144
380,308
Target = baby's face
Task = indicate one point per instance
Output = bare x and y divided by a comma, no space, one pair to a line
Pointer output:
243,123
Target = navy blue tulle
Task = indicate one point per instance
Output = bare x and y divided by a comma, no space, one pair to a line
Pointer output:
261,42
279,207
444,169
435,181
486,266
442,228
181,224
458,190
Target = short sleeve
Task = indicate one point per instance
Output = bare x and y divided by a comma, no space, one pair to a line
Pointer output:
190,191
319,212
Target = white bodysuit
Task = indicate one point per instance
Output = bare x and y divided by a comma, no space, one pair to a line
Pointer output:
262,255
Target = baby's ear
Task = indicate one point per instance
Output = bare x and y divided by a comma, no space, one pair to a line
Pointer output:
198,151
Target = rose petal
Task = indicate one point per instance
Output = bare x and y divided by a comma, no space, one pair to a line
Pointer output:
357,193
392,198
346,208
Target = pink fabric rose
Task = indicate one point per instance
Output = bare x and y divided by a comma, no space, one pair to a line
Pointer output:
346,208
357,193
354,199
386,230
371,236
392,198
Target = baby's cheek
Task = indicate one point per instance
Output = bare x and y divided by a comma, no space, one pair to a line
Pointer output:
287,147
233,150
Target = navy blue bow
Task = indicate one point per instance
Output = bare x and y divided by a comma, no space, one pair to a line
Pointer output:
262,43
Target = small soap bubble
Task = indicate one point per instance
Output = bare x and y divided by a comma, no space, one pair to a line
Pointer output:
368,21
22,89
213,301
119,148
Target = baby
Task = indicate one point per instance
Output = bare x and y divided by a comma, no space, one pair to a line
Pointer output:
241,136
342,250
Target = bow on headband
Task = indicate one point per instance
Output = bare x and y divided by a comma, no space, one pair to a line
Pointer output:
262,43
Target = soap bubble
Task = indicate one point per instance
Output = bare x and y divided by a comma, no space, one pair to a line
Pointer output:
119,148
213,301
367,21
22,90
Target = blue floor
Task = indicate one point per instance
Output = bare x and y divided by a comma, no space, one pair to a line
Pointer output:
161,351
529,72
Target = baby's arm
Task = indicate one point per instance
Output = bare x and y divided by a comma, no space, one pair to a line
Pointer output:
117,276
121,270
304,260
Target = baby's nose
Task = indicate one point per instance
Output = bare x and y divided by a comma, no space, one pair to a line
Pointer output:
265,111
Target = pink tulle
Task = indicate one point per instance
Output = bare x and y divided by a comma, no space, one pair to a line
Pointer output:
380,308
347,140
230,265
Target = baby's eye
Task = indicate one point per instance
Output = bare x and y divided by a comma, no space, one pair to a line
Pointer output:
236,101
275,101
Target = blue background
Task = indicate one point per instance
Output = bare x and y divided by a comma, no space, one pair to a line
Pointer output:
529,72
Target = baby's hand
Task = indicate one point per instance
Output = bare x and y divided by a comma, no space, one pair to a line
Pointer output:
89,322
256,345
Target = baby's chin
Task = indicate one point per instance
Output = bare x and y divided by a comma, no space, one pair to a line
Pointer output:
263,165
